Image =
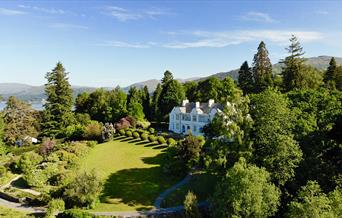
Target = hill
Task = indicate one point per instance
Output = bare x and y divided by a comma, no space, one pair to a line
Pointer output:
36,93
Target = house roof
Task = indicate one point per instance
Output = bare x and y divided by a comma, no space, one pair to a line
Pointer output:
204,107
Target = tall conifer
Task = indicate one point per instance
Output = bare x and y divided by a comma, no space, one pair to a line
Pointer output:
262,69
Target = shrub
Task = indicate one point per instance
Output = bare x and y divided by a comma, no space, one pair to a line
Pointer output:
91,144
144,136
136,135
108,132
47,146
129,133
161,140
152,138
54,206
171,141
84,190
190,206
122,132
151,130
28,161
93,131
164,134
143,124
75,213
3,171
74,132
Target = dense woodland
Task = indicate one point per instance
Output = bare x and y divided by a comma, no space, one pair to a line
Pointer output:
276,149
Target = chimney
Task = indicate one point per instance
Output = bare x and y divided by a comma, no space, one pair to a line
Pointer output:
197,104
184,102
211,102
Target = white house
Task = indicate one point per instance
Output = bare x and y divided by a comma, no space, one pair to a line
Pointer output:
192,116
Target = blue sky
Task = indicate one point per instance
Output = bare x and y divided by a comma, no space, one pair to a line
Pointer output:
109,43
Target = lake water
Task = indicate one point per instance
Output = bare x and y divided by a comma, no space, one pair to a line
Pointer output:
35,105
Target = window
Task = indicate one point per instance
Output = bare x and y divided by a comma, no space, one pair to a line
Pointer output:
177,116
195,128
177,126
203,118
186,117
194,118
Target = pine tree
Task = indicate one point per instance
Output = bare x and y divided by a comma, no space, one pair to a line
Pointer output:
330,74
155,100
294,64
134,94
146,102
171,95
262,69
245,79
58,108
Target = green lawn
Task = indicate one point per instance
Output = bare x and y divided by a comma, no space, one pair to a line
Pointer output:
11,213
202,185
131,171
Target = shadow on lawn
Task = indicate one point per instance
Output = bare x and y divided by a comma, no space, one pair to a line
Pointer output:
138,186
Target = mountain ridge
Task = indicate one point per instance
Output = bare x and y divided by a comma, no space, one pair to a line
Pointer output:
36,93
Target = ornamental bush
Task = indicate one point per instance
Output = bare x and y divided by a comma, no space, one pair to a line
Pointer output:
161,140
144,136
171,141
136,135
152,138
122,132
129,133
151,130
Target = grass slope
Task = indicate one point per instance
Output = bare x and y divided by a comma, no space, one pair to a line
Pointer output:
11,213
132,174
202,185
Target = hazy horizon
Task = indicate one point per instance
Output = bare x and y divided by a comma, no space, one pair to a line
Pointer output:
110,43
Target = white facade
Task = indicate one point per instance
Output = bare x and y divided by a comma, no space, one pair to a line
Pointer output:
192,116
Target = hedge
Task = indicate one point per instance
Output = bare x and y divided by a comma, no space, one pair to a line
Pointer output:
129,133
161,140
144,136
171,141
152,138
122,132
136,135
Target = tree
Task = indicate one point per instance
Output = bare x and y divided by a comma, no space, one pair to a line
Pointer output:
189,150
168,77
146,102
245,191
84,190
58,107
330,74
309,78
245,78
19,118
191,90
209,89
262,69
135,109
171,95
229,92
293,65
155,100
118,99
228,137
134,94
312,202
274,146
190,206
317,119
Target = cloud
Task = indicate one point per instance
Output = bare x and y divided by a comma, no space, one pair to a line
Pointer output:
207,39
44,10
9,12
322,12
122,14
258,17
122,44
67,26
226,38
